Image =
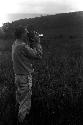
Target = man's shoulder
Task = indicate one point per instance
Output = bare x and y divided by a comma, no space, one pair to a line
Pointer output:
18,46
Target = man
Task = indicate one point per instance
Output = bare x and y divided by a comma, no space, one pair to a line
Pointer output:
23,56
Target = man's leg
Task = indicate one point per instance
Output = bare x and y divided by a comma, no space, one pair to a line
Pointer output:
23,95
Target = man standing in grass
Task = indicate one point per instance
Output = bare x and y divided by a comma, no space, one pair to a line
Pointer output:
23,56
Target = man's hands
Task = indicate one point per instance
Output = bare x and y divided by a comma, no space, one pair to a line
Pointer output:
31,51
35,52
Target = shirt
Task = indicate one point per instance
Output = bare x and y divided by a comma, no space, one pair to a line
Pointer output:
23,56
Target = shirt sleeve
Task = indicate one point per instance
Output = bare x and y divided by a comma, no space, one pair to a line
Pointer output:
32,52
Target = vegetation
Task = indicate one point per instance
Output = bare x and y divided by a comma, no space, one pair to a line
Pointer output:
57,81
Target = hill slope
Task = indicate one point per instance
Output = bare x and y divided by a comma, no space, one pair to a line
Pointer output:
58,78
65,21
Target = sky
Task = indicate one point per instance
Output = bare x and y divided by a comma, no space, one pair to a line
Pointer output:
9,7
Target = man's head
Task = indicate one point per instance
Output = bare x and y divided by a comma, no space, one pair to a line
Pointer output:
32,34
30,28
19,32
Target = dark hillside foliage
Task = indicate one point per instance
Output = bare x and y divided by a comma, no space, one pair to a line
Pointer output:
64,23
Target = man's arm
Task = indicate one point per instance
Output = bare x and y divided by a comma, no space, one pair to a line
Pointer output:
35,52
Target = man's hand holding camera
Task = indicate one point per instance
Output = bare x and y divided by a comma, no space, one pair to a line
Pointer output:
33,44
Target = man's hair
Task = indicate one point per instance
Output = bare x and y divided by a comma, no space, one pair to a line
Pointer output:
19,31
30,28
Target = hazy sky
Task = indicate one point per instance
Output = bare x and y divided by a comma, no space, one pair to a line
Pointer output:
37,6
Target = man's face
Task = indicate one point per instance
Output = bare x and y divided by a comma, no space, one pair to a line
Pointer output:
24,36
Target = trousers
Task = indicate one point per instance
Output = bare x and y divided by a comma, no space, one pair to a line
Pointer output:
23,94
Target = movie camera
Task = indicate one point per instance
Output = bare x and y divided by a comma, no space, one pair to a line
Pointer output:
33,36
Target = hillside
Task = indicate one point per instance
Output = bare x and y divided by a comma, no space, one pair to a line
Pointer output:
58,79
60,22
59,26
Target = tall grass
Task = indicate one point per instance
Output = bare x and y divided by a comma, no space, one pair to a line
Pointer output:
57,85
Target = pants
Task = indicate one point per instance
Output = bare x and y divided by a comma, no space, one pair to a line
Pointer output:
23,94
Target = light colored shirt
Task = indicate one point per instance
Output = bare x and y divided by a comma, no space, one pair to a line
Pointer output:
23,56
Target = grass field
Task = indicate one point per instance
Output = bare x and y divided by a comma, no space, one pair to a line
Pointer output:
5,45
57,83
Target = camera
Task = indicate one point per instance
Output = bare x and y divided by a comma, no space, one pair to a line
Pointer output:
36,33
40,35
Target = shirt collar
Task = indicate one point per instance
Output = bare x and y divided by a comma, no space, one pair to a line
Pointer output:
19,41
